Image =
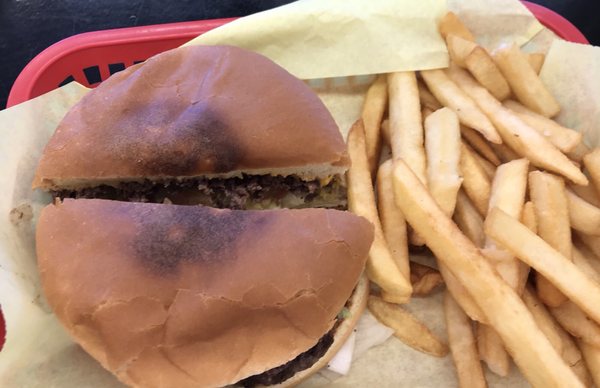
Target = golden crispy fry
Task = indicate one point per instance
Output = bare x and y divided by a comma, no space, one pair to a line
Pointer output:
549,198
591,355
427,99
381,267
481,65
478,143
469,220
443,149
424,279
528,346
491,350
560,339
465,108
407,328
524,81
573,320
488,167
476,183
451,24
406,128
392,220
559,270
565,139
372,113
462,346
588,193
523,139
591,161
459,49
536,60
584,216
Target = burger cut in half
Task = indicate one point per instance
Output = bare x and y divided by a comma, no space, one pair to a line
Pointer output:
211,125
190,296
159,254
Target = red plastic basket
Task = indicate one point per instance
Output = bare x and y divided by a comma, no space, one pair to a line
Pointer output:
91,57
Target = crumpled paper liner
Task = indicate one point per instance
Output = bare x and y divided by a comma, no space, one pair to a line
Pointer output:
39,353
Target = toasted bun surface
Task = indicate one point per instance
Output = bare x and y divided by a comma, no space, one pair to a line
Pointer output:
193,111
178,296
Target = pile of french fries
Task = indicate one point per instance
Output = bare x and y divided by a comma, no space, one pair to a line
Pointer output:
470,163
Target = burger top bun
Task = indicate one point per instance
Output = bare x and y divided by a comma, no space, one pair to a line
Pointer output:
193,111
181,296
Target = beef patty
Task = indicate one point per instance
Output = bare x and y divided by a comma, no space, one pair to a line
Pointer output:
245,192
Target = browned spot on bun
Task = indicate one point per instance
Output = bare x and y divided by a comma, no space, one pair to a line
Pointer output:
199,138
170,237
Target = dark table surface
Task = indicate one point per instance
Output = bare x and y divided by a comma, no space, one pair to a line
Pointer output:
29,26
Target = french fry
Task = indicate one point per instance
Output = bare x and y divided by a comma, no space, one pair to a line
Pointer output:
476,183
536,60
469,220
427,99
579,152
591,355
549,198
591,161
461,295
587,193
584,216
508,193
529,220
406,129
523,139
524,81
451,24
459,49
573,320
424,279
528,217
385,132
565,139
591,242
478,143
426,112
529,347
407,328
462,345
381,267
504,152
392,220
372,113
491,350
443,150
583,253
465,108
487,167
543,318
560,339
559,270
484,70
